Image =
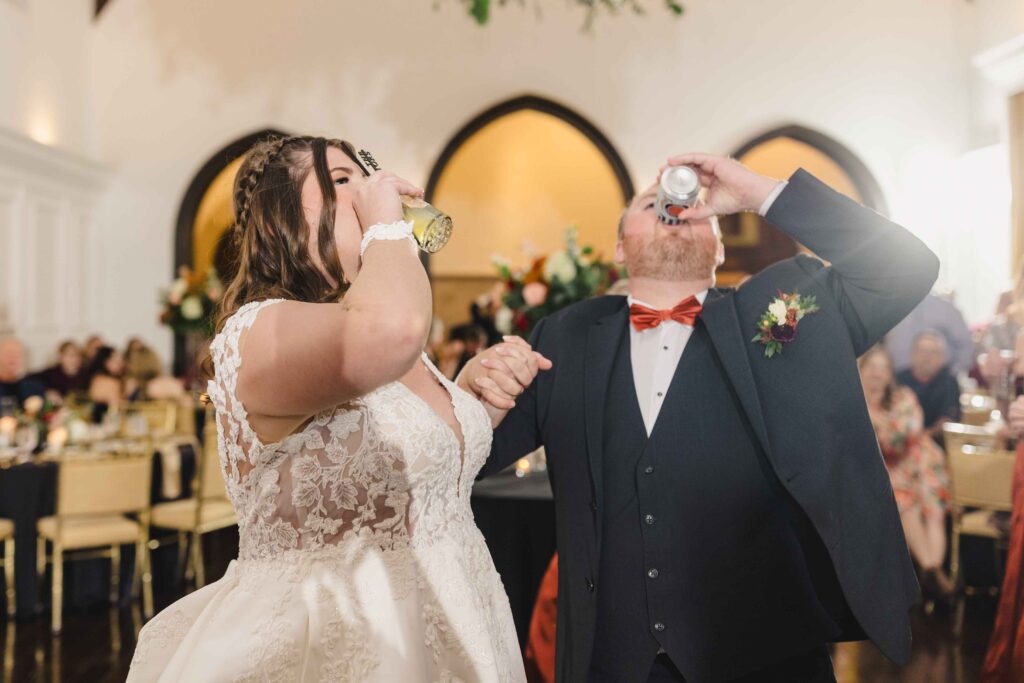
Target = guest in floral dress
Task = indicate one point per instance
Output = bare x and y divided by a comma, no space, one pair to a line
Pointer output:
916,465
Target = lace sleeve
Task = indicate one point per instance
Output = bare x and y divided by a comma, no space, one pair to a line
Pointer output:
236,436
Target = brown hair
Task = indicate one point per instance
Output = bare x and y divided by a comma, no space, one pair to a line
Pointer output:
890,388
271,232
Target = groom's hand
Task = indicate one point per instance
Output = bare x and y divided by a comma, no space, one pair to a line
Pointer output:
500,374
731,186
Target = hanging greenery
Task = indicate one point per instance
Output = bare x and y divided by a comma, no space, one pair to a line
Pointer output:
480,10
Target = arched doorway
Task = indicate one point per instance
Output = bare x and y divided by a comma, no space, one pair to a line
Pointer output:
520,172
205,218
751,242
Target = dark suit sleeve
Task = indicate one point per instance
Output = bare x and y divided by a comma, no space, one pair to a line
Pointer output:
879,272
519,433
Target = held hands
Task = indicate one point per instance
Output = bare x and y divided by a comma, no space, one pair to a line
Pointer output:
500,374
378,198
731,186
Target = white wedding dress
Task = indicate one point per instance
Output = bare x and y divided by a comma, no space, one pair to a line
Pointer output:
359,559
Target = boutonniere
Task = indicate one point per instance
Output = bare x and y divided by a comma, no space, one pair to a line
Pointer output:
777,325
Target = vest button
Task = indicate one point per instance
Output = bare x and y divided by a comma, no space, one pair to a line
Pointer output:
653,573
648,470
590,584
649,519
659,627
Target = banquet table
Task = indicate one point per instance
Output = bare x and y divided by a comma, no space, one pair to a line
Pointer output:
517,518
28,491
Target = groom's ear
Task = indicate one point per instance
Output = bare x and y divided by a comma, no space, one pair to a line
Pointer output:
620,255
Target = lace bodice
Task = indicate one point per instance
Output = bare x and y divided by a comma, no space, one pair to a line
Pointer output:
385,468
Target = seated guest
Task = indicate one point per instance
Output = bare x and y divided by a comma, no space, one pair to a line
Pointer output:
141,363
929,377
13,382
67,374
108,388
937,314
916,468
146,369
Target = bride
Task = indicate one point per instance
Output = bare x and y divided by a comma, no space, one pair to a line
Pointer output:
349,458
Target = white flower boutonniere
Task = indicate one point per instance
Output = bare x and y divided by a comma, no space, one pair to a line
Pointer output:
778,325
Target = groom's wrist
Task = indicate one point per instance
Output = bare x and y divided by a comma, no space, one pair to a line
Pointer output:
766,204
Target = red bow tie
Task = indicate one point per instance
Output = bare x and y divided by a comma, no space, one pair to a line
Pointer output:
686,312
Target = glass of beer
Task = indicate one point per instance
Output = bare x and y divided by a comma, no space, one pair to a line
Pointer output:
431,228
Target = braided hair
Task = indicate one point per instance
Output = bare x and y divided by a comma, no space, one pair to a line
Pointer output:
271,232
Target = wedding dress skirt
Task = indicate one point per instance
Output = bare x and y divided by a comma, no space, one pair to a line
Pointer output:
359,559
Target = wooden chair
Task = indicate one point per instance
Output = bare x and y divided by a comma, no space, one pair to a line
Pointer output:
7,536
981,484
976,409
209,508
95,495
159,417
958,435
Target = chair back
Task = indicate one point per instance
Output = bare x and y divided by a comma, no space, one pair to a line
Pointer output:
958,435
976,409
160,417
982,478
210,475
104,484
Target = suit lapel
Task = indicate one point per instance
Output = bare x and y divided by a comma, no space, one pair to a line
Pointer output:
603,339
727,336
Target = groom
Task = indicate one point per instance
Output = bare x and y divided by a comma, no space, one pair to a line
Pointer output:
722,514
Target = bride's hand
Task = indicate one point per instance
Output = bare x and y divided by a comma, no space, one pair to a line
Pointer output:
500,374
378,198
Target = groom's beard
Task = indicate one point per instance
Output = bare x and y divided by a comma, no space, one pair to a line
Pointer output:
673,256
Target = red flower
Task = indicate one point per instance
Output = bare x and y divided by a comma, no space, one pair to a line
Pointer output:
522,322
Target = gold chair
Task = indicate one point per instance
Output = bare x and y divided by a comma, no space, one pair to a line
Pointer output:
976,409
7,536
958,435
982,483
209,508
94,497
159,417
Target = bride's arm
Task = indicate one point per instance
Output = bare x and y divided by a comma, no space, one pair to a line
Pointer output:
301,358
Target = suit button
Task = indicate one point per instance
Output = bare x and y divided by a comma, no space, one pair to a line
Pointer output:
648,470
590,584
652,573
593,505
649,519
659,627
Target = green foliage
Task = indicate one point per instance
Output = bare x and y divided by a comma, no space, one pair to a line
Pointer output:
480,10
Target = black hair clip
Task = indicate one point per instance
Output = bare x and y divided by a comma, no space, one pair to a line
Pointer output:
369,160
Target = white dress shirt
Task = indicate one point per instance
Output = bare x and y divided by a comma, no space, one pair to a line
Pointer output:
655,353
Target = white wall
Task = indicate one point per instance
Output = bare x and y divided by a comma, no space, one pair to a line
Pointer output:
49,244
153,88
173,82
44,70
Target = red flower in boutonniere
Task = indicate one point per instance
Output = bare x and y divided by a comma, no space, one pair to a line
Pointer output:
778,325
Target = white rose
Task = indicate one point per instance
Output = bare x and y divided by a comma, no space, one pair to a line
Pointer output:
191,308
503,320
559,265
178,289
778,309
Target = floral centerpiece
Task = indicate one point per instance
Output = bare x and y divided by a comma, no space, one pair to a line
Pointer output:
189,303
551,283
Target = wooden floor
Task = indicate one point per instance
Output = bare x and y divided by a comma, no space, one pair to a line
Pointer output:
97,646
